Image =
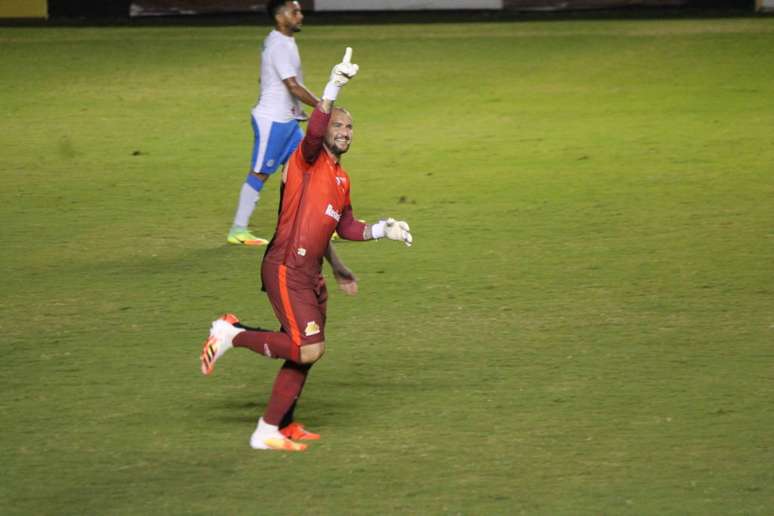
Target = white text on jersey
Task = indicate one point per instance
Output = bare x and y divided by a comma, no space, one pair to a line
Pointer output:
329,211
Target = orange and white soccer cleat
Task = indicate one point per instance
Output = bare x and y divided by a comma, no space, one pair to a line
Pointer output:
297,432
222,333
268,437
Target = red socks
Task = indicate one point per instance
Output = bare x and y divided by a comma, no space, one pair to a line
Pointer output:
287,388
272,344
291,376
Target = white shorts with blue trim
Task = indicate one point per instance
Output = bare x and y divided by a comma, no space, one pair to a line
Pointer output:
274,143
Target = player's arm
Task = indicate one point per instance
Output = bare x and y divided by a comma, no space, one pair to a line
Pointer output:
391,229
349,228
281,61
340,75
300,91
312,143
343,275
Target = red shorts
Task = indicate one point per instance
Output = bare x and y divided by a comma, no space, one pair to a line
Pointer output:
299,304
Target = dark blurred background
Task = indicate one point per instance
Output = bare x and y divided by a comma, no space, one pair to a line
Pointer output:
201,10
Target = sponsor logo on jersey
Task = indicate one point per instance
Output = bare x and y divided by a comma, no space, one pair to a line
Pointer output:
329,211
340,180
312,328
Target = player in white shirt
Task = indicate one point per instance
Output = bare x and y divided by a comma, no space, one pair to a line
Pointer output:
275,118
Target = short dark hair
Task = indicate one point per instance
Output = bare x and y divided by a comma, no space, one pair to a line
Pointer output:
273,7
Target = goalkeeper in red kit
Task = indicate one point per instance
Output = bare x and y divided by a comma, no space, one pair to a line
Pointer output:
314,203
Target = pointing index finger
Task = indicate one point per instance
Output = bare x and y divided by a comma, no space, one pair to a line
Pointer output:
348,55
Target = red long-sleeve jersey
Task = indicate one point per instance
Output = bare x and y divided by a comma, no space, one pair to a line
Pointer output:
314,203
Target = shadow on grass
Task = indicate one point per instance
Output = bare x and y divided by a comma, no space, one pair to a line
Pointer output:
313,412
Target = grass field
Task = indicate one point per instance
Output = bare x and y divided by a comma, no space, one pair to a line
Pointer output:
586,317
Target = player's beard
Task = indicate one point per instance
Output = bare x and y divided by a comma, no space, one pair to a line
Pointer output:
336,150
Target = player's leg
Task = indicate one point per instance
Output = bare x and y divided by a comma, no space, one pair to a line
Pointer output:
286,301
226,333
266,436
285,392
289,427
274,142
298,311
271,344
251,188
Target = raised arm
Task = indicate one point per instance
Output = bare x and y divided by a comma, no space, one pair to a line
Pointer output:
318,123
312,143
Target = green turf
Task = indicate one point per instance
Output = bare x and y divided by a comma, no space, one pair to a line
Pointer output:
584,325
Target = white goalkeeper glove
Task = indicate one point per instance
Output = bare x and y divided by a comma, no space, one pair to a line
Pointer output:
392,229
340,75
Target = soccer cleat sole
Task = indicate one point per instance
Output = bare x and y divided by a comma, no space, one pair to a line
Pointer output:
207,358
208,355
256,242
277,444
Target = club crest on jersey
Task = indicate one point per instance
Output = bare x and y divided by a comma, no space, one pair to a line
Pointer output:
312,328
329,211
